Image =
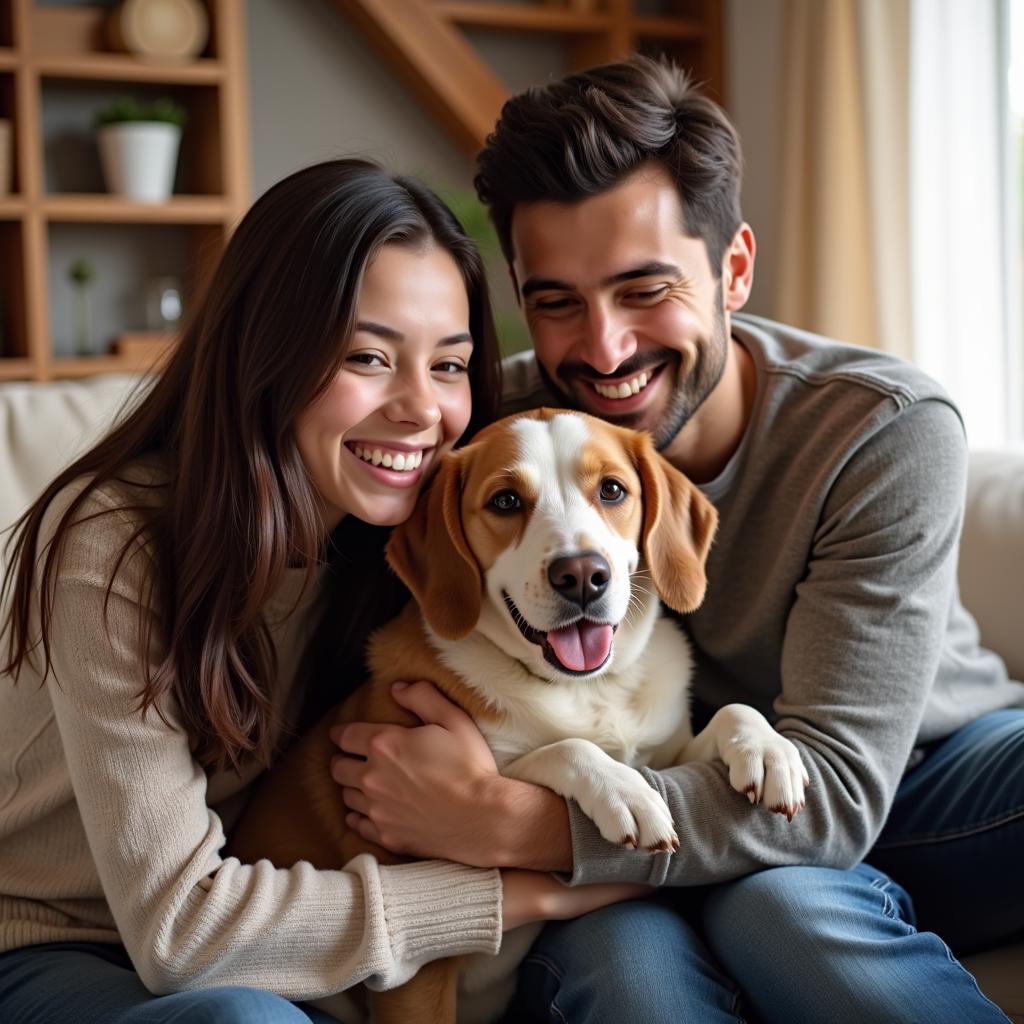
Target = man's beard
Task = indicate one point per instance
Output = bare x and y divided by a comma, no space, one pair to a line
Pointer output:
686,397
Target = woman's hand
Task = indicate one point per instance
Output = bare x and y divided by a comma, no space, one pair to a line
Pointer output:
428,791
536,896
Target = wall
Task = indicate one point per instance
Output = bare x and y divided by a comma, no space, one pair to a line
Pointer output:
753,60
318,91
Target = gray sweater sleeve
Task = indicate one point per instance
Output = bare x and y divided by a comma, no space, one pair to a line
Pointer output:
860,652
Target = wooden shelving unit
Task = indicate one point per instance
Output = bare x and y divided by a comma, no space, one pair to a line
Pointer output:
425,44
54,51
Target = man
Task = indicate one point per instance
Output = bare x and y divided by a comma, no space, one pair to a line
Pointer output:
838,474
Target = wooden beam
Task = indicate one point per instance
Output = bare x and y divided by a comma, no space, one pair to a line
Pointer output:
436,61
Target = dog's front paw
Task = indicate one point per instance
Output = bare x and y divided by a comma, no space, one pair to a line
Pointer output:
765,766
629,812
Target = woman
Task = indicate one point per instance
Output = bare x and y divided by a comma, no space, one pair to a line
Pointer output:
163,594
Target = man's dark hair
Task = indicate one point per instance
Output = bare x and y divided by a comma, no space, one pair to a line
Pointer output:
581,135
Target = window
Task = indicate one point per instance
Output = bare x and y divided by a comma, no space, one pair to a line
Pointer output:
1013,46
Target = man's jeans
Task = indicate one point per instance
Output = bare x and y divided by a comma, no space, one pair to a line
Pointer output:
806,945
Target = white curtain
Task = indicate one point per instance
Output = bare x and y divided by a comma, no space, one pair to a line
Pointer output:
896,190
958,204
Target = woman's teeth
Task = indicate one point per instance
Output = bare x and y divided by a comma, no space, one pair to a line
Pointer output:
403,462
625,389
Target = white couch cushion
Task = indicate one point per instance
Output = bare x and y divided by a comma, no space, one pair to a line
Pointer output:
43,426
992,552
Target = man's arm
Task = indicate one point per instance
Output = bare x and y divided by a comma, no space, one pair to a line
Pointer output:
860,653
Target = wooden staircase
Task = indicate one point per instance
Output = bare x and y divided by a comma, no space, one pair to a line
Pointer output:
424,43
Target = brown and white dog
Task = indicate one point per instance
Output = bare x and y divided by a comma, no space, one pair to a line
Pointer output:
537,559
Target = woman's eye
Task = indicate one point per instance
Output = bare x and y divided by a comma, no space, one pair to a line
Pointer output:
506,501
366,359
612,492
450,366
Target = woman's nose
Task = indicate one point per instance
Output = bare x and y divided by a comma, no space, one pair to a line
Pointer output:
414,401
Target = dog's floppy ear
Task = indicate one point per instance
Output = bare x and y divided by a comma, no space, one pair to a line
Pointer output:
430,553
679,523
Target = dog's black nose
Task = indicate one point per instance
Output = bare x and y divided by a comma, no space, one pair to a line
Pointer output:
580,578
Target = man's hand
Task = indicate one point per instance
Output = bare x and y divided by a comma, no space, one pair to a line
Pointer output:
434,791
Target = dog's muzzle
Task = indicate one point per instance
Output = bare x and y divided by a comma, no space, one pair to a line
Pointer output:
577,649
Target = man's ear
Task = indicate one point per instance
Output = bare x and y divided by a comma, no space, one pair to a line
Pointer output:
432,557
738,269
679,524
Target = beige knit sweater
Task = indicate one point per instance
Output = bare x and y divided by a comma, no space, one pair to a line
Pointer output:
110,830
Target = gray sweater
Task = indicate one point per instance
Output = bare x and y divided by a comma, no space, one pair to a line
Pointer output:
832,606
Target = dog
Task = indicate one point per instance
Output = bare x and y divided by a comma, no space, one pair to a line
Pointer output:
538,559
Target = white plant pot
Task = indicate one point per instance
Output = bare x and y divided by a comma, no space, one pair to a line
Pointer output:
139,159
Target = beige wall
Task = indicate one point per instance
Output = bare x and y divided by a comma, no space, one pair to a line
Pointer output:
318,91
753,46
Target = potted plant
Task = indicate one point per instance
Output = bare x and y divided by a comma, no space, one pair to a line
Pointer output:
139,147
81,274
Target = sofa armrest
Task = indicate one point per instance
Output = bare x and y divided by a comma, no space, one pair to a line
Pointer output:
992,552
44,426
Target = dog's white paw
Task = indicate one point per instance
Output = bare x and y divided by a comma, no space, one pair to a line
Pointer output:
767,767
629,812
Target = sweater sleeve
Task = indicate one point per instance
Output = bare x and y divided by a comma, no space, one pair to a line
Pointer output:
860,653
188,917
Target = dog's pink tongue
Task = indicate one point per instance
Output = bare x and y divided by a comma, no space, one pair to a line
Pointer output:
581,647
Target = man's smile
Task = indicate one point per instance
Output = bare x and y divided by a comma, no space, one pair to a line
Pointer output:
620,394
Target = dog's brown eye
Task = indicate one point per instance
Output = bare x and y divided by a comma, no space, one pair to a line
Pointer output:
506,501
612,491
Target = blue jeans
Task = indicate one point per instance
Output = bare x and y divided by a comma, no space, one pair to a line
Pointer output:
817,945
95,983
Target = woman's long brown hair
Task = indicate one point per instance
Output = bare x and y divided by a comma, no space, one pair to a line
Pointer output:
238,506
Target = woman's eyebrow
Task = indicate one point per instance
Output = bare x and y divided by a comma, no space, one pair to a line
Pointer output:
457,339
390,334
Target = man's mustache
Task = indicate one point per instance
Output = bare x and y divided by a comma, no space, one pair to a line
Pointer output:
630,368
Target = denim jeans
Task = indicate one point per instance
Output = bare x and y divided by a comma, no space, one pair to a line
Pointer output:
95,983
819,945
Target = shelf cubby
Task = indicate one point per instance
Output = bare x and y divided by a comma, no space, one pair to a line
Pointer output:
13,322
70,151
56,72
6,31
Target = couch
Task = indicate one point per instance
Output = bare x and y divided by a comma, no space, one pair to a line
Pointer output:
42,425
